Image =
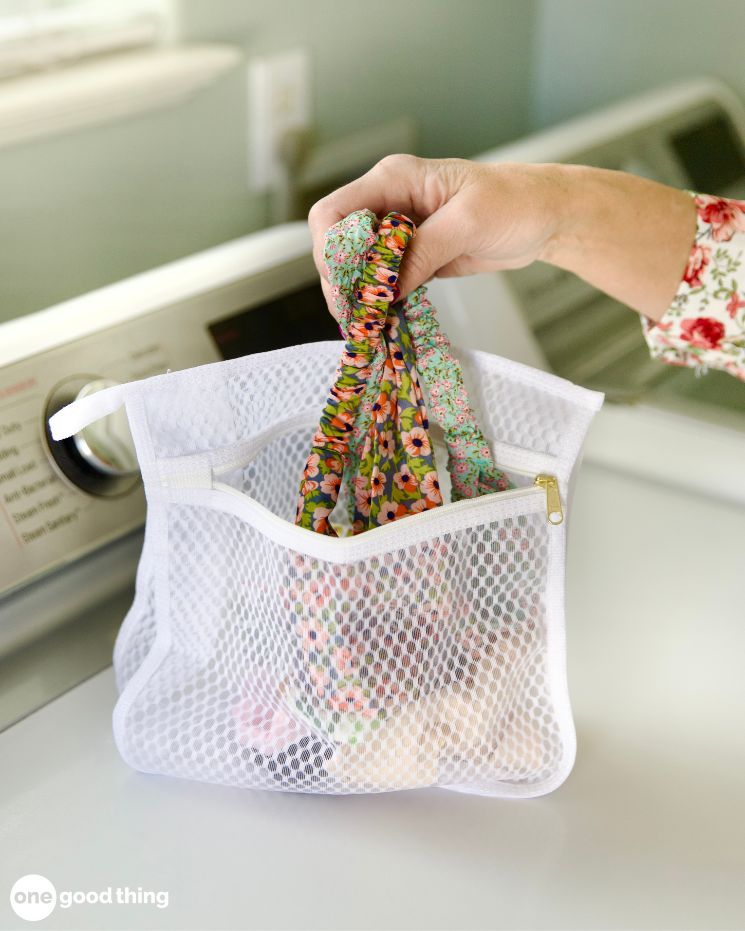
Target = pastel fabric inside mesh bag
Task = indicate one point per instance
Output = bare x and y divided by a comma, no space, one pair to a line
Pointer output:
425,652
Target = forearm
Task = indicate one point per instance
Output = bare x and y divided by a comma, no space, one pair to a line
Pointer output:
625,235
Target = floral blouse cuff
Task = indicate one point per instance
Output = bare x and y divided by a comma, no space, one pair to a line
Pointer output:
704,327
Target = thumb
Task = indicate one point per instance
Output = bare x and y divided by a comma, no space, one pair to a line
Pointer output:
438,241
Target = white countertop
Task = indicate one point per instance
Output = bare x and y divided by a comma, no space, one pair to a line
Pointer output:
648,831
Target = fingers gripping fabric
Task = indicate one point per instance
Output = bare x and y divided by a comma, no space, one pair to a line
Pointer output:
374,427
424,652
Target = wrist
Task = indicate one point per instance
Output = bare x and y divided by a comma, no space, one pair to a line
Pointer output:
625,235
568,212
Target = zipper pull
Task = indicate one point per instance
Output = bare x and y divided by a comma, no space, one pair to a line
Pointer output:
553,500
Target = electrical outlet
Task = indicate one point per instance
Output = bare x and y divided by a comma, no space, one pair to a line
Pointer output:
279,100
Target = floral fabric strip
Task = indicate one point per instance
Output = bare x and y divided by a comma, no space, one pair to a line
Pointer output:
471,465
704,327
395,474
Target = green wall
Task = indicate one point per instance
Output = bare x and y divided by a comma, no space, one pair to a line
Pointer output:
591,52
461,67
84,209
80,210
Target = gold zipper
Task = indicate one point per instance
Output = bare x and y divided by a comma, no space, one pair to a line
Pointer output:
554,511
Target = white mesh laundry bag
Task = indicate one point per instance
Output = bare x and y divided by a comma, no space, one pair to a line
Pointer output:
456,614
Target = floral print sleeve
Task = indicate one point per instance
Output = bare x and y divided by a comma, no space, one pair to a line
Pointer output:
704,327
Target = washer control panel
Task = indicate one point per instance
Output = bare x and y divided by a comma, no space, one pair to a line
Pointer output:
55,501
62,499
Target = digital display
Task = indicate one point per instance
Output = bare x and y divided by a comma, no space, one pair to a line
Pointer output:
712,155
298,317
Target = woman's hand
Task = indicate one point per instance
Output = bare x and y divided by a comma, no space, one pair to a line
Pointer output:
471,217
626,235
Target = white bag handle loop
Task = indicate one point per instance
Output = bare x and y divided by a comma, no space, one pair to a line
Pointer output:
72,418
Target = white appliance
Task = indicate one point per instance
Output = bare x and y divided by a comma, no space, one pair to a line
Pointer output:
648,829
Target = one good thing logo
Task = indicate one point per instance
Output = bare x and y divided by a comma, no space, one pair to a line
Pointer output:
34,897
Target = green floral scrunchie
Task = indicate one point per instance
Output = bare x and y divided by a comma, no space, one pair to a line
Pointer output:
373,429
